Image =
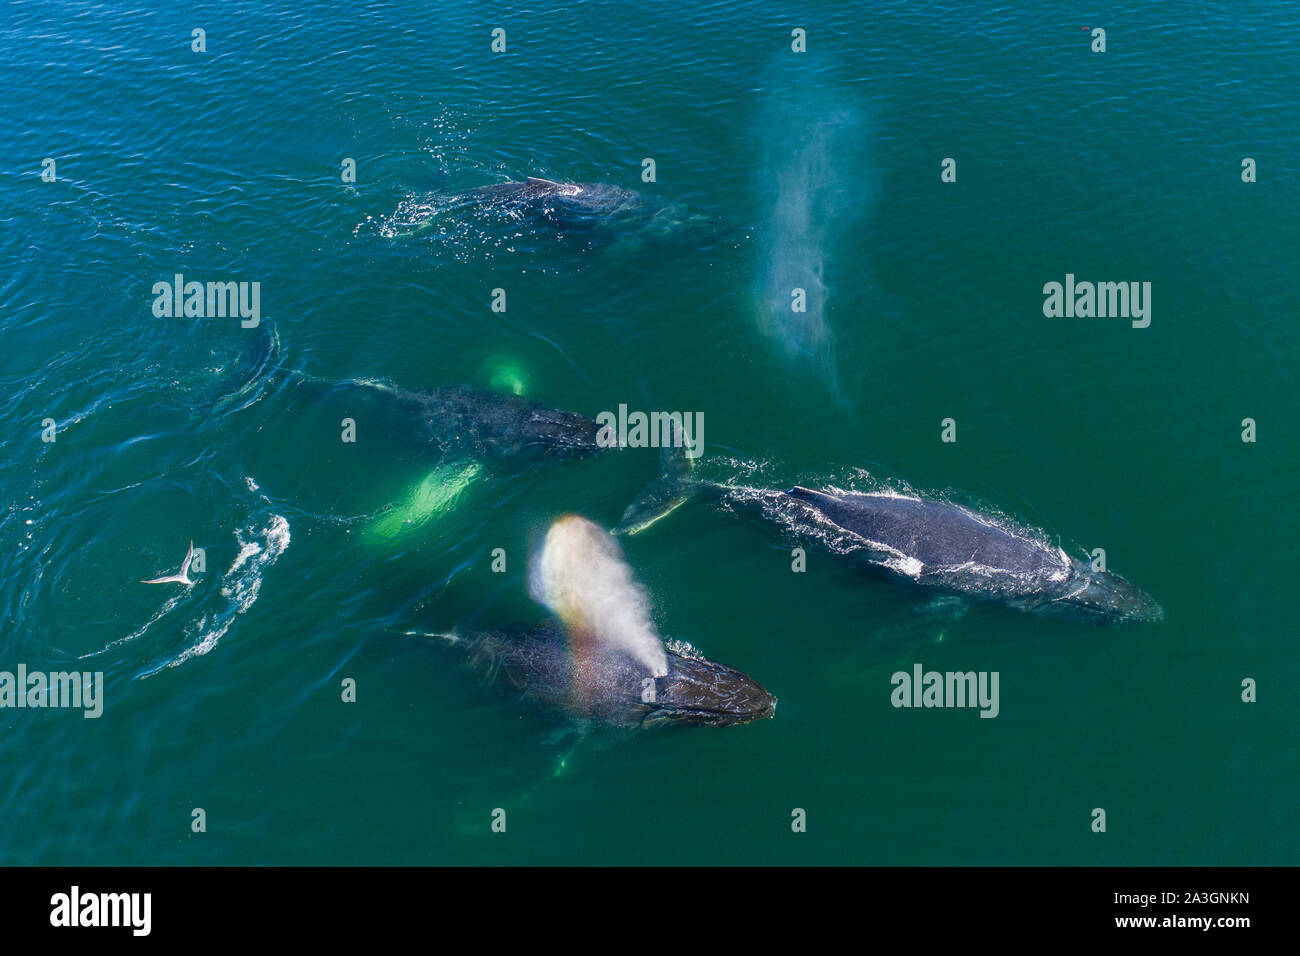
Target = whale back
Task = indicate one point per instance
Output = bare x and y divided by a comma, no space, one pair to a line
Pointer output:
497,425
937,534
940,544
574,206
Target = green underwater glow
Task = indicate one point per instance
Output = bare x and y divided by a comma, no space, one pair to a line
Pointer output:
434,495
506,375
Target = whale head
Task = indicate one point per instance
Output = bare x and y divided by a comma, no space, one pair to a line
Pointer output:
1108,598
696,691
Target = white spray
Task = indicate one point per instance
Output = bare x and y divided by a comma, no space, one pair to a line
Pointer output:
580,574
813,189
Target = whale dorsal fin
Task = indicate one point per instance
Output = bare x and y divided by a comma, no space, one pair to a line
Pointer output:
810,496
807,494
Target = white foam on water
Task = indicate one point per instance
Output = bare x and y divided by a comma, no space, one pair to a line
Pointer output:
684,648
909,566
881,493
259,549
168,606
580,574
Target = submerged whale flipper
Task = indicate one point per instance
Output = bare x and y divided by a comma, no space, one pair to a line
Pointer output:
672,489
434,495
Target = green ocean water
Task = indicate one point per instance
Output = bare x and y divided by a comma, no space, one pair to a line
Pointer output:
819,169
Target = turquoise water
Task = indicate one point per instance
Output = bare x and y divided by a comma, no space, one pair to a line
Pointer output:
778,169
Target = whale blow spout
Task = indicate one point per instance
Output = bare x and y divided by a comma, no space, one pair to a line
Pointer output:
580,575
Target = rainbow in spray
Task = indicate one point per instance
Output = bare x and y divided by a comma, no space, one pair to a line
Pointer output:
579,573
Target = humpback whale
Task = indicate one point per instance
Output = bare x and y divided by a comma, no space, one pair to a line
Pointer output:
440,443
459,422
573,206
924,541
470,428
608,663
611,688
496,425
590,214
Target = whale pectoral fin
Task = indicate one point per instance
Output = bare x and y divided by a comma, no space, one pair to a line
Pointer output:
562,762
436,494
664,495
537,181
657,500
948,607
